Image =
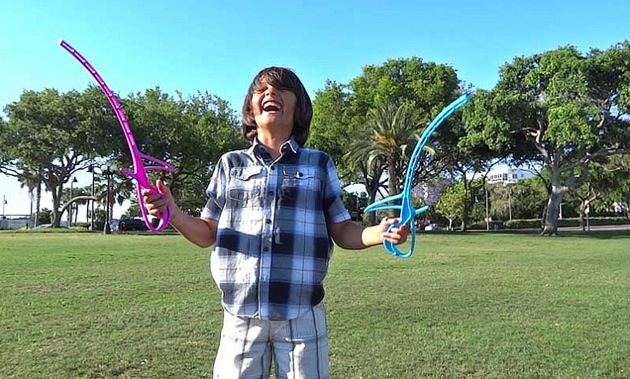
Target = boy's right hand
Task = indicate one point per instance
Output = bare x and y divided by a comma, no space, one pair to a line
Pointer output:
156,203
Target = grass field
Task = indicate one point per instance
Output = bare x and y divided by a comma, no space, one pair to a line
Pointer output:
472,305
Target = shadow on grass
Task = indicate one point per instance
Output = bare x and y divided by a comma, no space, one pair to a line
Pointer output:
604,234
166,232
598,234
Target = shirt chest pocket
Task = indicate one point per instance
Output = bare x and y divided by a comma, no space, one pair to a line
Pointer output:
245,187
300,188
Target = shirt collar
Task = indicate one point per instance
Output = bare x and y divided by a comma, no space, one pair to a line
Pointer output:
291,144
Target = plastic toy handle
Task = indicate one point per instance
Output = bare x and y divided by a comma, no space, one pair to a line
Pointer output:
165,216
393,249
408,214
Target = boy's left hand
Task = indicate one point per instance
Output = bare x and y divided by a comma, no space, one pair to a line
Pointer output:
397,235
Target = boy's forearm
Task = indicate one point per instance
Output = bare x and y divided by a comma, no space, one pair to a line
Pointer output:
196,230
354,236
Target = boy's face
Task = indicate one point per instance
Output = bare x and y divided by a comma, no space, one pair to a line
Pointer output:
273,107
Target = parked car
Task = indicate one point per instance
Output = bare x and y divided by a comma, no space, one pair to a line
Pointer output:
63,224
42,226
126,224
432,226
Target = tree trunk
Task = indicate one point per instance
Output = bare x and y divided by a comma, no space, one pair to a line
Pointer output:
38,203
392,183
467,211
56,198
372,199
550,227
465,217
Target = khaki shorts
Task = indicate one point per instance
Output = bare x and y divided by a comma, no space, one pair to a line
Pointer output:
298,347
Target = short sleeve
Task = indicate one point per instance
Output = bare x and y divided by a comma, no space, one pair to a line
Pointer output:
334,207
216,192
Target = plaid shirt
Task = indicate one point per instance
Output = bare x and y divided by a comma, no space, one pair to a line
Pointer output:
272,249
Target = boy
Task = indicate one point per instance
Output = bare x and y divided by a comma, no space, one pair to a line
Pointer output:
272,214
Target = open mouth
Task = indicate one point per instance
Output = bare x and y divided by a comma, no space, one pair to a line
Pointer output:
271,106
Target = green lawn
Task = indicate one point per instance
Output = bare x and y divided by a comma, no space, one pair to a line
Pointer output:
473,305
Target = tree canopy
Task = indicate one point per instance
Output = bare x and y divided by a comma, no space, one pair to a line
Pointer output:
563,111
560,109
50,136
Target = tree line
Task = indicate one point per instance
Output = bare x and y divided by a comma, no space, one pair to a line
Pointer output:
562,112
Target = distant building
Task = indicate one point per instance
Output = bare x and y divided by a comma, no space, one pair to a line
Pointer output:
507,175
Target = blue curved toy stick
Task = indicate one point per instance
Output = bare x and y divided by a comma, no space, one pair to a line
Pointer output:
403,201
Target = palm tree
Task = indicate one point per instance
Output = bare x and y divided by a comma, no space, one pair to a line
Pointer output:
393,132
33,181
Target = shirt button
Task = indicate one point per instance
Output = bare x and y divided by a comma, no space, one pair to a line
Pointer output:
273,168
268,221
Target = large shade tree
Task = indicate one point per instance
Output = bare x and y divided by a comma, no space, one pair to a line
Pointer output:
560,109
50,136
189,132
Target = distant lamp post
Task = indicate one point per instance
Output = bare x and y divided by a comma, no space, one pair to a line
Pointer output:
108,169
4,203
74,180
510,201
509,186
91,170
485,188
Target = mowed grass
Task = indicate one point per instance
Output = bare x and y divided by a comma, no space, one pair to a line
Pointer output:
464,306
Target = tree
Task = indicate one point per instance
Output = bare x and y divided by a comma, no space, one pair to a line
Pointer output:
346,114
560,109
190,133
618,191
606,187
52,137
392,132
330,131
528,198
33,182
452,202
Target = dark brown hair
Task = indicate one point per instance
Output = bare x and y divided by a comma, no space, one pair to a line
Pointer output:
283,79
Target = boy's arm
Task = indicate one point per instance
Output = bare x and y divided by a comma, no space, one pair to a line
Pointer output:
353,236
200,231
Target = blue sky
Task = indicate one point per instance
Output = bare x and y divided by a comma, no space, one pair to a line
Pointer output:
218,46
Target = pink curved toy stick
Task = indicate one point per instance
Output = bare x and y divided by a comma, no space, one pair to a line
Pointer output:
139,173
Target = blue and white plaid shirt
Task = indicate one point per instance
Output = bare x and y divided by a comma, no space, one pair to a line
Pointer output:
272,249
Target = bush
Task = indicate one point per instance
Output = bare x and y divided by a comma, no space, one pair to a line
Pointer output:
524,223
494,225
